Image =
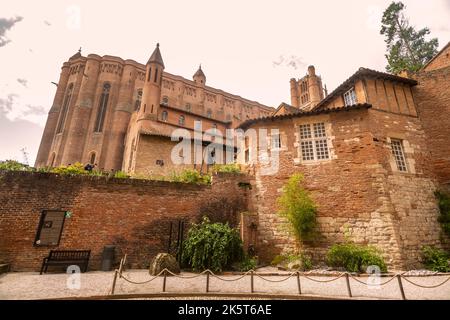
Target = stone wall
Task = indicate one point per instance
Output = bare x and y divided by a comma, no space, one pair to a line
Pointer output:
134,215
361,196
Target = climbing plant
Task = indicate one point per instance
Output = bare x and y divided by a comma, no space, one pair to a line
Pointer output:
297,206
444,207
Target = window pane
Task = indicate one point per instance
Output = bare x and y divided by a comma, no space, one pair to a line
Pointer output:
307,150
319,130
305,131
322,149
397,151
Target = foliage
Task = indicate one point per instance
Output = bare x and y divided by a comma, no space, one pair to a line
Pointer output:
213,246
247,264
435,259
407,48
355,258
191,176
228,168
121,175
305,262
444,207
299,209
13,165
76,168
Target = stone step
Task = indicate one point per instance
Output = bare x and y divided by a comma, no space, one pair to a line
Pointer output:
4,268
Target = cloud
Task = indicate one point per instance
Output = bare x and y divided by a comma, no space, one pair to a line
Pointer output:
47,23
23,82
5,25
7,104
290,62
34,110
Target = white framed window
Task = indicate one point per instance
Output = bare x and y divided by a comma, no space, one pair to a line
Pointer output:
399,154
276,141
350,97
314,142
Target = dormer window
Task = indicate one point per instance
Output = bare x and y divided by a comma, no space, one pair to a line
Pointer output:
350,97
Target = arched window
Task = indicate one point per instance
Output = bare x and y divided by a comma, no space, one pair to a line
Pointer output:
137,104
181,120
92,158
65,109
165,100
102,108
209,113
164,115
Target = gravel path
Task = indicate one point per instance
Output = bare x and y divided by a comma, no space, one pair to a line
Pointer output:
31,285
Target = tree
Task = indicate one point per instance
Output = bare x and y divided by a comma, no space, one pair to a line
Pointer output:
297,206
407,48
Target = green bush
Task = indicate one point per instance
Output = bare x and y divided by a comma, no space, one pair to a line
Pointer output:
229,168
299,209
191,176
444,208
248,264
355,258
213,246
13,165
435,259
121,175
76,168
305,262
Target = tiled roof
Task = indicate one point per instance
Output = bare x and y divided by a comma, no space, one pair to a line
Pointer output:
362,72
288,107
301,114
437,55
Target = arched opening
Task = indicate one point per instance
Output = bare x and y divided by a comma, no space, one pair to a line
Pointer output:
102,108
65,109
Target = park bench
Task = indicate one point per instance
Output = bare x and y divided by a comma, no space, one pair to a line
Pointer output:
66,258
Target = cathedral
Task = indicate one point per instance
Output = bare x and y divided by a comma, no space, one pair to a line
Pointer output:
120,114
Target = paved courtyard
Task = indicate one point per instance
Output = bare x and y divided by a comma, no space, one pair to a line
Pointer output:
31,285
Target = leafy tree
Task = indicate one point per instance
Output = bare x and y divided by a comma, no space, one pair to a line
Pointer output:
299,209
407,48
13,165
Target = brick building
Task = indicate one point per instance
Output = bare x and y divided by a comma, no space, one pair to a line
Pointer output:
120,114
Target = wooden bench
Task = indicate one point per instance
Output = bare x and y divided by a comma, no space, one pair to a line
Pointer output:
66,258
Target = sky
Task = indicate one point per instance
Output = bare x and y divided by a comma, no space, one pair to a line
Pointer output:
249,48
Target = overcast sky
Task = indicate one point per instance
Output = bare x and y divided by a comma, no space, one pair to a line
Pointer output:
249,48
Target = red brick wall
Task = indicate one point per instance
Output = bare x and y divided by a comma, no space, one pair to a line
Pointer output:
134,215
432,96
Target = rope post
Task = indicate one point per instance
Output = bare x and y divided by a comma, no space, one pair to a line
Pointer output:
207,281
164,280
251,282
347,280
298,283
400,284
114,282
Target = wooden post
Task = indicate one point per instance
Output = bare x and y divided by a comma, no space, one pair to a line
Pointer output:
298,283
400,284
349,290
114,282
207,281
164,280
251,282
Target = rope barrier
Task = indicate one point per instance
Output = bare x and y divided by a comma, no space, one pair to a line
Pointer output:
118,273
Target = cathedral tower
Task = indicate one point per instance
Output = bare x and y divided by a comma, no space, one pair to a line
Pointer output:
306,92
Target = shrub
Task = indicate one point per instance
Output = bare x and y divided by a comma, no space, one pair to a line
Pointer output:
444,208
304,261
230,168
299,209
13,165
213,246
191,176
121,175
76,168
435,259
355,258
248,264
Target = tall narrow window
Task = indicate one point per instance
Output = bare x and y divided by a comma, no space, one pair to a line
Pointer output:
350,97
149,74
156,75
164,115
52,159
92,158
399,154
313,142
181,121
65,109
137,104
102,108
